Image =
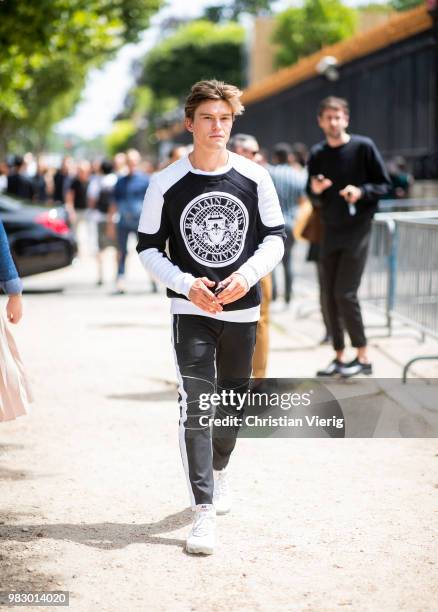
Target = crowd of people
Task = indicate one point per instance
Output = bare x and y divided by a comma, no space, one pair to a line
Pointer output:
104,195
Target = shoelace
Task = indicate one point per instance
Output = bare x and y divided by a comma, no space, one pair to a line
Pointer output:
200,527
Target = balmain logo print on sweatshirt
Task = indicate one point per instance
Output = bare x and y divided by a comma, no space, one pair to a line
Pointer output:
197,223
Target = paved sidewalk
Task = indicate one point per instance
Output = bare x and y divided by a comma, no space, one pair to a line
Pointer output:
93,492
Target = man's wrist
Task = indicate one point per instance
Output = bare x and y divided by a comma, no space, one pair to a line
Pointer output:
189,281
248,273
244,278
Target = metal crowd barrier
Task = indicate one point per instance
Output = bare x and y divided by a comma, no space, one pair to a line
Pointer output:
377,282
416,278
378,286
401,275
408,204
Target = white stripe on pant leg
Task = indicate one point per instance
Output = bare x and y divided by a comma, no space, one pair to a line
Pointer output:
183,419
214,391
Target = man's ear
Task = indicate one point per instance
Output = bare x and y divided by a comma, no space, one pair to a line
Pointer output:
188,123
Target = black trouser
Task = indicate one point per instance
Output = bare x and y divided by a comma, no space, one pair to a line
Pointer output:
342,273
286,262
323,299
314,254
208,352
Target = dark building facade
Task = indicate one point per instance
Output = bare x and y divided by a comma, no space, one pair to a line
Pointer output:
393,97
392,92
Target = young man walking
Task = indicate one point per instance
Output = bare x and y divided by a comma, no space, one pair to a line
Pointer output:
346,179
220,215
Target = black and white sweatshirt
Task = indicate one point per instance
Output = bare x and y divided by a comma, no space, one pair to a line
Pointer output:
214,223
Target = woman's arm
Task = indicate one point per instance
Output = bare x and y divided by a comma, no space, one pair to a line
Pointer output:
9,279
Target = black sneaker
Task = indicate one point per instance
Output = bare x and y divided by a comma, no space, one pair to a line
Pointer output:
355,367
333,368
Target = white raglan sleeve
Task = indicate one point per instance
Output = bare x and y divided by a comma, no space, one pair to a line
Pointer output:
271,234
153,232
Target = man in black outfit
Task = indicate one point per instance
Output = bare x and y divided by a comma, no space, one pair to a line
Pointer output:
211,227
19,184
347,177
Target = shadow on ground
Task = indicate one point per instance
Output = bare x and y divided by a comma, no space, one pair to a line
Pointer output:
129,325
107,536
167,395
8,474
18,560
4,448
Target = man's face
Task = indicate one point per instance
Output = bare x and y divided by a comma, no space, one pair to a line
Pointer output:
249,150
132,161
211,125
333,122
83,171
119,162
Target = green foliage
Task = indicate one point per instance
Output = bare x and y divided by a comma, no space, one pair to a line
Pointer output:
47,49
199,50
194,51
142,100
120,137
252,7
404,5
304,30
236,8
373,7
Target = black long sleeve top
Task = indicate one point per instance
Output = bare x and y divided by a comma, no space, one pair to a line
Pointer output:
359,163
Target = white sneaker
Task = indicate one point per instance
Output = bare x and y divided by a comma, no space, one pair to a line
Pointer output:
222,493
201,538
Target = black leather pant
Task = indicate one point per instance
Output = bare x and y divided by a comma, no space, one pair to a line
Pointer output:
211,355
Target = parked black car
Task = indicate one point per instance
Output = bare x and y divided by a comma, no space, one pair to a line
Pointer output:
40,238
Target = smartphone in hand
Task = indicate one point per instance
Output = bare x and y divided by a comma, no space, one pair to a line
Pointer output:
218,289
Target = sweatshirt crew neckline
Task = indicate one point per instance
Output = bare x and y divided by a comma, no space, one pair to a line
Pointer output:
222,170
